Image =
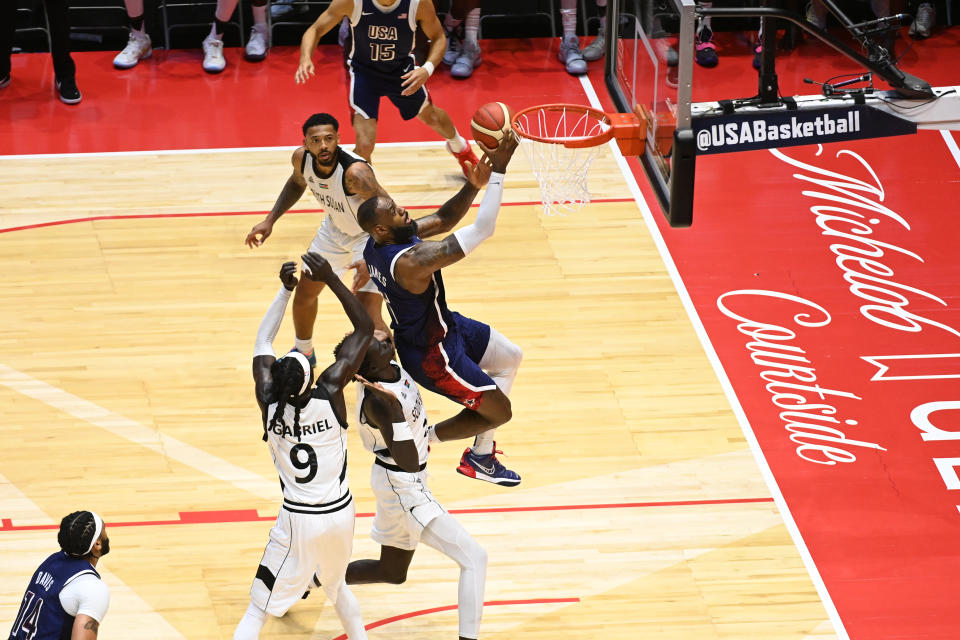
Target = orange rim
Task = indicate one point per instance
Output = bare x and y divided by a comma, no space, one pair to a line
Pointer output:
577,142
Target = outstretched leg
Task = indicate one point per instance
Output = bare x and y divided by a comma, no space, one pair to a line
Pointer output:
390,568
448,536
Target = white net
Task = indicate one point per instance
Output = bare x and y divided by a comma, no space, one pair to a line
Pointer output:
560,171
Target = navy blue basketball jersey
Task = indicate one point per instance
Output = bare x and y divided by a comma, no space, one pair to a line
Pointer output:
41,616
383,37
418,319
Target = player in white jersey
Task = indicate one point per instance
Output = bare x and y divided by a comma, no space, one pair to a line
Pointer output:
393,426
340,181
305,427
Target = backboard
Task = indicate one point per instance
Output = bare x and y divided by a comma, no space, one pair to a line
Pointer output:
649,71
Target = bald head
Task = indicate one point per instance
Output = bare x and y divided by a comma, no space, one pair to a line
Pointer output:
370,212
385,221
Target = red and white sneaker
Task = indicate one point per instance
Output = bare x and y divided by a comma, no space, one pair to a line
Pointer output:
487,468
465,156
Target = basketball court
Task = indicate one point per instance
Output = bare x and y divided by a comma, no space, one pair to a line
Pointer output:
670,488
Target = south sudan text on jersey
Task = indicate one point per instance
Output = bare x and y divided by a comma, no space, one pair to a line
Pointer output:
328,203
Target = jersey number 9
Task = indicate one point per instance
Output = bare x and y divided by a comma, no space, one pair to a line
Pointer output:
310,463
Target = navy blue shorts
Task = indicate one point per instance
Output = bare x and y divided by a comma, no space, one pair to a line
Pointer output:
452,367
367,88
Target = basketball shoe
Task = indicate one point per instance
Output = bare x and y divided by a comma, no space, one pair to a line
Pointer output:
468,59
594,50
311,357
569,54
258,44
454,43
465,156
138,48
487,468
213,60
923,23
706,50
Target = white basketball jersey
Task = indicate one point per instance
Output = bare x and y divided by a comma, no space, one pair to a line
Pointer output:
413,410
313,466
331,192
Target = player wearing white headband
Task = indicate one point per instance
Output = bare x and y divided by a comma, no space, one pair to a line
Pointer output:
66,597
305,427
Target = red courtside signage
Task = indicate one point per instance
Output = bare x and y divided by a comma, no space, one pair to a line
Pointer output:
832,303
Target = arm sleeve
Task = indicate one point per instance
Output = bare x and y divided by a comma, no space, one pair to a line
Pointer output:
482,228
86,594
270,324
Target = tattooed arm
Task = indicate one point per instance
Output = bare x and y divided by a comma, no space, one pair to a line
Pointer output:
84,628
361,181
414,269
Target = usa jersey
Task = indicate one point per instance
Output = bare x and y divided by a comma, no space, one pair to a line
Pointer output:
414,412
312,463
417,319
383,37
331,191
41,616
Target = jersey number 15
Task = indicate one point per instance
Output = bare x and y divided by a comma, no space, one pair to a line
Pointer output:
382,52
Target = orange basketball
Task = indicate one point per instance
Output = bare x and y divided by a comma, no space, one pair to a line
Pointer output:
490,122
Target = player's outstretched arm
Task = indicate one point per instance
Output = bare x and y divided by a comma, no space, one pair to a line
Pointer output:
290,195
263,354
383,411
454,209
336,376
327,20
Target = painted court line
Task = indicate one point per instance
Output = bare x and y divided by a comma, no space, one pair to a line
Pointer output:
137,433
251,515
453,607
721,374
208,214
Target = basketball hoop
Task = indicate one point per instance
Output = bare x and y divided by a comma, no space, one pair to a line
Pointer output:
562,140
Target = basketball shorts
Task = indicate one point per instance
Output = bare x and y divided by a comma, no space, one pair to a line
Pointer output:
341,250
367,88
300,545
451,367
405,506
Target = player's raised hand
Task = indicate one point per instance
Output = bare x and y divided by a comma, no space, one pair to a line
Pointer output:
500,156
413,80
260,232
361,276
317,268
288,275
304,71
479,175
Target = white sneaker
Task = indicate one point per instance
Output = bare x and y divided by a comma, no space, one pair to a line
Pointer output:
453,47
468,59
280,8
138,48
213,60
258,43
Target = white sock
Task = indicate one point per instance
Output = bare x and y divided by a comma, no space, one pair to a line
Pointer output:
704,22
569,19
213,32
432,434
483,443
457,143
259,15
304,345
472,27
250,624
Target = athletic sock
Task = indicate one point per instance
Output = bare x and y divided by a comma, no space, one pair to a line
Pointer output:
457,143
304,345
483,443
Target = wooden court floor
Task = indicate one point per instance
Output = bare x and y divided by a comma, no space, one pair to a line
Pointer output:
125,348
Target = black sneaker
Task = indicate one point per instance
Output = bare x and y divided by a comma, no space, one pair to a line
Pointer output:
69,93
4,81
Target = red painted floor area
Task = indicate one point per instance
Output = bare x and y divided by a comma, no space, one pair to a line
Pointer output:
169,102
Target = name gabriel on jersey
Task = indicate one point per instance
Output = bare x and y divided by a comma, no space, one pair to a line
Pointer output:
305,429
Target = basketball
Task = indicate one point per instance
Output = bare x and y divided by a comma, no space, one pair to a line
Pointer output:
490,122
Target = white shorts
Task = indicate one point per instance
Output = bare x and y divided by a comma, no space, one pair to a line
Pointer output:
340,250
404,507
300,545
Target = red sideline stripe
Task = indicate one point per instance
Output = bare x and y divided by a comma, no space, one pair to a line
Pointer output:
56,223
453,607
250,515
